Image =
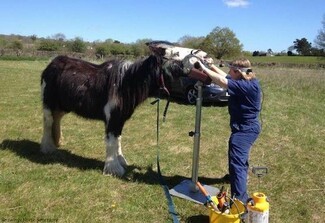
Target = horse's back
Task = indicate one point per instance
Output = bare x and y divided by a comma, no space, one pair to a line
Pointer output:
65,63
71,84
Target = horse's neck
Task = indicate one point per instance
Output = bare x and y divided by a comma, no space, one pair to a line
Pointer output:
137,84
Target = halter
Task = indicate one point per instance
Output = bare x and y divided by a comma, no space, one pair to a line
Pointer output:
242,69
159,52
162,87
161,83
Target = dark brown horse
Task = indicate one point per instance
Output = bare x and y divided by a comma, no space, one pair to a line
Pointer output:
109,92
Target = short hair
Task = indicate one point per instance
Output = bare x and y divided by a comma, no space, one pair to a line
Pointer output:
247,73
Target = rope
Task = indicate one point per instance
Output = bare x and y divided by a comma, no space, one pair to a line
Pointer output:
171,206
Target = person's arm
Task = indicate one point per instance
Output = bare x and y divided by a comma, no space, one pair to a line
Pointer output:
213,67
218,76
218,70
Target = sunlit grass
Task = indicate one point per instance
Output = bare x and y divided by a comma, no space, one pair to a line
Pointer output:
288,59
69,186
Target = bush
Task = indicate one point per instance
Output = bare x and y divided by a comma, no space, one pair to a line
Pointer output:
78,46
256,53
48,45
290,53
101,51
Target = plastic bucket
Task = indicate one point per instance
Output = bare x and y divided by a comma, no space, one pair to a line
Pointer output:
234,215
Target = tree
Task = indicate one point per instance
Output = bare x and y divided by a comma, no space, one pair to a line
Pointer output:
78,45
33,37
139,48
320,39
256,53
291,48
222,42
59,36
317,51
290,53
191,42
302,46
3,43
117,48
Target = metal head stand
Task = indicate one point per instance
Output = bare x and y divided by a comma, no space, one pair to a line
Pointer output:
187,189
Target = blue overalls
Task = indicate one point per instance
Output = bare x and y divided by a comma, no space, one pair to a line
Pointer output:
244,107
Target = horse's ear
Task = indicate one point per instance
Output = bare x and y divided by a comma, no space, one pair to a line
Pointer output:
159,47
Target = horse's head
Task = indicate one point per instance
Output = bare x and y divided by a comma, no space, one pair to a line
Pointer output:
170,51
176,61
164,72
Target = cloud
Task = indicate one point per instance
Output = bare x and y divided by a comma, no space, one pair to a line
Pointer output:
236,3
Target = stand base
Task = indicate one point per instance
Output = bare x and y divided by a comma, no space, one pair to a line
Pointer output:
184,190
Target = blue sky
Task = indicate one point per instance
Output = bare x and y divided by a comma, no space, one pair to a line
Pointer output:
258,24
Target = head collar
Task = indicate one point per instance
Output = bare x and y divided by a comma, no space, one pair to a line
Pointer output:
242,69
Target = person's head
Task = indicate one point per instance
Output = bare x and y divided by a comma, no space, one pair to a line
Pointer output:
241,69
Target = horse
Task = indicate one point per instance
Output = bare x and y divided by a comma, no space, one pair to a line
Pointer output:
109,92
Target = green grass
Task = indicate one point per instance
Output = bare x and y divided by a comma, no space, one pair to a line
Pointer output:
296,60
69,186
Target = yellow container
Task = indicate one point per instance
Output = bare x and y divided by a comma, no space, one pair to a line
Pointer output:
233,216
258,208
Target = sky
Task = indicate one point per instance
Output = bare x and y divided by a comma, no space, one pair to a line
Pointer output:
258,24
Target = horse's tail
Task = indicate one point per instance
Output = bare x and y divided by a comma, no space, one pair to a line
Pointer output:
49,81
49,95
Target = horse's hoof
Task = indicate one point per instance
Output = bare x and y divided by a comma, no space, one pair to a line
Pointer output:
122,161
112,168
48,149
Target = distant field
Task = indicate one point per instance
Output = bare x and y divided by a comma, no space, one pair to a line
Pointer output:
258,60
288,59
68,186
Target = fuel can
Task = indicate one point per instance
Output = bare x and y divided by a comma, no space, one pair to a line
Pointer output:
258,208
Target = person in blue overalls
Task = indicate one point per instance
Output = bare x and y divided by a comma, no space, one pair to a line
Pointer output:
244,106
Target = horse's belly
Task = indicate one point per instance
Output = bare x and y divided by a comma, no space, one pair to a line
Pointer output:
90,109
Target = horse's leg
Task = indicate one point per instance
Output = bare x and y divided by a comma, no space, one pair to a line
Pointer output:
120,155
47,143
56,127
115,161
112,163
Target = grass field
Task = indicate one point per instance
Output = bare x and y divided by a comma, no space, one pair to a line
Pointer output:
69,186
304,60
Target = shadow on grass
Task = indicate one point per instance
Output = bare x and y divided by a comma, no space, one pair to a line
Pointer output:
149,176
198,219
204,104
31,151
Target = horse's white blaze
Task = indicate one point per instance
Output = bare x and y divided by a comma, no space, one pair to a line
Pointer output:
112,163
179,53
47,143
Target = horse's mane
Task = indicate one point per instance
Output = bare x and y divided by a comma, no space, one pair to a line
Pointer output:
132,82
